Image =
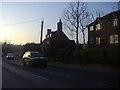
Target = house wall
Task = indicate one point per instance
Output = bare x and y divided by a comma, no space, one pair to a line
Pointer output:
105,32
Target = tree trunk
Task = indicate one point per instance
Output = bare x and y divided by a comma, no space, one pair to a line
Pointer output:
77,37
83,39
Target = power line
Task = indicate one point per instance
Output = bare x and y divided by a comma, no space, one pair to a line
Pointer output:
20,23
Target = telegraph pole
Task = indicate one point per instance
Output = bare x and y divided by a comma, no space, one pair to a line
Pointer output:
41,32
119,5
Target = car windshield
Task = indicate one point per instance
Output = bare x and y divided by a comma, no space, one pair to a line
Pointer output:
10,54
36,54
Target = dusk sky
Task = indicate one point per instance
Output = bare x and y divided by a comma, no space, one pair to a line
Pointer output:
20,21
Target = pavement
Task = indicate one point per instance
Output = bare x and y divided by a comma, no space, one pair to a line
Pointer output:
15,75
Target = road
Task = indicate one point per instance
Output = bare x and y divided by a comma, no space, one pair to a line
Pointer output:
15,75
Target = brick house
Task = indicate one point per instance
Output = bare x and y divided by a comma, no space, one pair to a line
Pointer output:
57,39
105,30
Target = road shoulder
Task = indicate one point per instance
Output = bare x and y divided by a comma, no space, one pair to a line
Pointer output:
92,67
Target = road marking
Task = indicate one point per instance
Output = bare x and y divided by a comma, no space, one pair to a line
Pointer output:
44,78
54,74
43,71
15,62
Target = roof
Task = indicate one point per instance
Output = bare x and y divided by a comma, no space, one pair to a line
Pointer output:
107,17
59,39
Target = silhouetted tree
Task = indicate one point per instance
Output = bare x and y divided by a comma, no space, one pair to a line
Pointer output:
75,17
8,47
97,14
31,47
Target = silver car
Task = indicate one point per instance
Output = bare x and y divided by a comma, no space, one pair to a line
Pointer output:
10,56
34,58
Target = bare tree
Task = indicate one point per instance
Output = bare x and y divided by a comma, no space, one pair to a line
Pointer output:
95,15
75,18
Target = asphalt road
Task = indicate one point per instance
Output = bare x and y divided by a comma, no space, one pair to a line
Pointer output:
15,75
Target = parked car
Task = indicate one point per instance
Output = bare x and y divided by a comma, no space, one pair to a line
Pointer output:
10,56
34,58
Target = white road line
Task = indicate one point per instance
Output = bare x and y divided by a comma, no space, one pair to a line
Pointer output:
55,74
16,62
32,73
46,71
44,78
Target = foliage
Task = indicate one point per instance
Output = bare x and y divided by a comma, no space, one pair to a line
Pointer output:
8,47
31,47
109,55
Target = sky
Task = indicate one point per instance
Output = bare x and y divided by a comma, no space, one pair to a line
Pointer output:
20,21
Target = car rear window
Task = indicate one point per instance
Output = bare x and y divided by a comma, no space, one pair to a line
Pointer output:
36,54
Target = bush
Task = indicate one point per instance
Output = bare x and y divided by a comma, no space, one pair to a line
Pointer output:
106,55
109,55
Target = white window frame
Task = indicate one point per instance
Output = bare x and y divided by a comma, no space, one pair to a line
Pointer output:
48,42
98,40
114,39
91,28
115,22
98,26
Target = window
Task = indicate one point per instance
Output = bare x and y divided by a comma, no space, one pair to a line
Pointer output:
36,54
48,42
97,40
91,28
113,39
98,27
115,22
91,40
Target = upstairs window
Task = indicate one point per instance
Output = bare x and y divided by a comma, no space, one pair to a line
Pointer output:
98,27
115,22
113,39
97,40
48,42
91,28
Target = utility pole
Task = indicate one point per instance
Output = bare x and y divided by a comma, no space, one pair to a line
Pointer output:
41,32
119,5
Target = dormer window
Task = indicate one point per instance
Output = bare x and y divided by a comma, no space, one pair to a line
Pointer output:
91,28
98,26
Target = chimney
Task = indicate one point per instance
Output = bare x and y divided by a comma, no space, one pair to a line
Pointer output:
59,26
48,33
